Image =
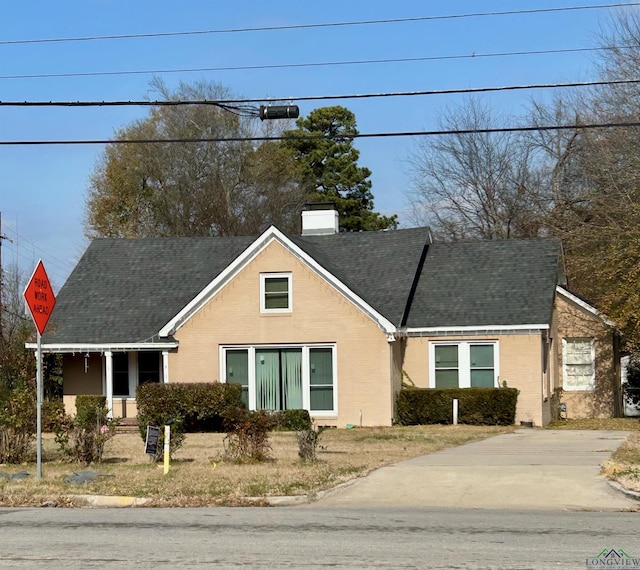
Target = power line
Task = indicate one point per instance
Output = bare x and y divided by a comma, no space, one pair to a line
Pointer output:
314,137
19,240
237,103
473,55
319,25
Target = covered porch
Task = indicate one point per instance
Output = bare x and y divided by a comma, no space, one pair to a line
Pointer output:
114,371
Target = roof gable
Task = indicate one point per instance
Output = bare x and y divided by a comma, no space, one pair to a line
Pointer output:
373,270
141,290
586,307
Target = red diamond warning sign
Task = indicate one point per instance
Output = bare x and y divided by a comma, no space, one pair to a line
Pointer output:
40,298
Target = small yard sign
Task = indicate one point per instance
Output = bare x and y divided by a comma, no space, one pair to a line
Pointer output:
151,441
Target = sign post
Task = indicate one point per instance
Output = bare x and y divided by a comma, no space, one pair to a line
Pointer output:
40,300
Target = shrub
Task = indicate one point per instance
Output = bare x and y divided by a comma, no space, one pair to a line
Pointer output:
188,407
308,443
82,438
198,406
17,423
293,420
477,406
248,434
307,437
52,412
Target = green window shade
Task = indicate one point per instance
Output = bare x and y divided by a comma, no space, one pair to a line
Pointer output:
481,356
276,293
482,379
321,379
446,379
238,371
446,356
482,368
291,378
120,364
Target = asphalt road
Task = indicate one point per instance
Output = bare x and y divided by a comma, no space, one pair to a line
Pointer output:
310,537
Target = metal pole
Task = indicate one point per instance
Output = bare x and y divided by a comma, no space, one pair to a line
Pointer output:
39,408
455,412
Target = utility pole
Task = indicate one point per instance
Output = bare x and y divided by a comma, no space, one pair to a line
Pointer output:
2,238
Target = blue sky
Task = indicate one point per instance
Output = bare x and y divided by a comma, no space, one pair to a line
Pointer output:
42,188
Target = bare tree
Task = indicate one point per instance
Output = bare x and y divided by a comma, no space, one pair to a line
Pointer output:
476,184
17,364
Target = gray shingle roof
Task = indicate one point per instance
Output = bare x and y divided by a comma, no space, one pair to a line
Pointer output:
126,290
378,266
500,282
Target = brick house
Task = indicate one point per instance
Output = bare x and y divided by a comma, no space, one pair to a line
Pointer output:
332,322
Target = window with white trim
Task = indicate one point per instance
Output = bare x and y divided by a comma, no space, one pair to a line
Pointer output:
133,368
463,364
578,364
275,293
284,377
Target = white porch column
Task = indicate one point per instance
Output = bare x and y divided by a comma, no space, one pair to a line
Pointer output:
108,359
165,366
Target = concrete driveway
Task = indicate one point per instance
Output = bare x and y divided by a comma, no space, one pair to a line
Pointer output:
527,469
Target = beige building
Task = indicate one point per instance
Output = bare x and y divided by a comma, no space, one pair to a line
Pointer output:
333,322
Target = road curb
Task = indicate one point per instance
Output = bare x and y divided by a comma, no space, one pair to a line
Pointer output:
622,489
293,500
109,501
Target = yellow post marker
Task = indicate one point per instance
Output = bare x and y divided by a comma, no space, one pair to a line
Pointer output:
167,442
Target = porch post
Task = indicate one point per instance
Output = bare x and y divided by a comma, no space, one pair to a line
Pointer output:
108,356
165,366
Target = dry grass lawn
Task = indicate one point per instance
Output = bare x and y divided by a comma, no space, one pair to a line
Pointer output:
624,465
200,477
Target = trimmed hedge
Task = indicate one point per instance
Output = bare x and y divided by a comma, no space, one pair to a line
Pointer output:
293,420
195,407
476,406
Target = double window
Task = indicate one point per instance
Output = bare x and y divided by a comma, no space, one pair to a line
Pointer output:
133,368
275,293
283,378
463,364
578,364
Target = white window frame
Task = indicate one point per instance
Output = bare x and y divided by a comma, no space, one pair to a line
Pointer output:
263,292
306,375
464,360
565,366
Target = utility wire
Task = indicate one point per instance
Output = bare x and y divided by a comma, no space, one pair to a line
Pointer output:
319,25
19,240
473,55
579,127
243,104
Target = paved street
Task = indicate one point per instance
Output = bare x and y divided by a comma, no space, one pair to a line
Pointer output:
527,469
310,538
531,500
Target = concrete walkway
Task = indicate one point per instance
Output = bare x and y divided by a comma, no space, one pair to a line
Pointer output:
527,469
